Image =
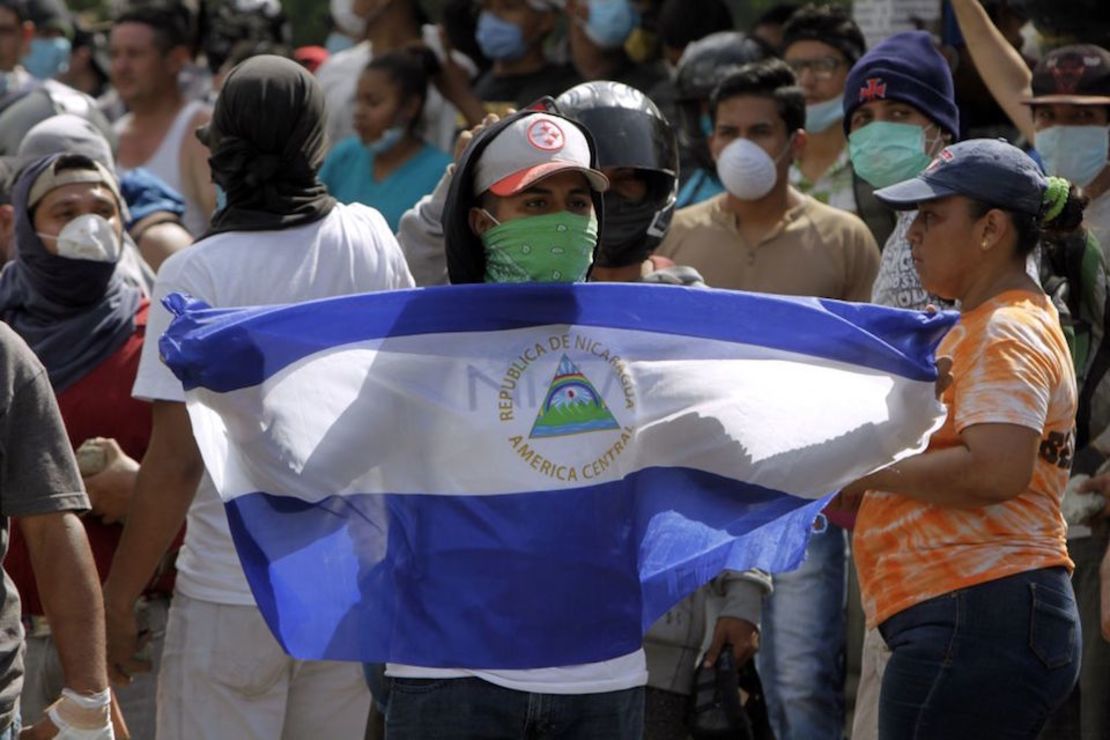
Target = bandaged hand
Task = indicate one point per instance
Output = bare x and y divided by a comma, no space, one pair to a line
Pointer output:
82,717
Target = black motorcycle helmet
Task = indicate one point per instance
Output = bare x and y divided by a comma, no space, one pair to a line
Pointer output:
704,64
630,132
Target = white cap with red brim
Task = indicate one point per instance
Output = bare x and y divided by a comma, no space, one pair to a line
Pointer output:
530,149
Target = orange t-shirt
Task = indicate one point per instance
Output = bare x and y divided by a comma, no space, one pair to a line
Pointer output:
1010,365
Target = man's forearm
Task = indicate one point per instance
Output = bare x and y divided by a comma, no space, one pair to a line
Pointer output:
70,591
999,64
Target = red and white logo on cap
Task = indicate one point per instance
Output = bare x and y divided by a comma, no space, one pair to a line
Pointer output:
546,136
874,90
942,158
1068,70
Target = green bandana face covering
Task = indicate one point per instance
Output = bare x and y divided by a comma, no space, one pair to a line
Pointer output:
884,153
555,248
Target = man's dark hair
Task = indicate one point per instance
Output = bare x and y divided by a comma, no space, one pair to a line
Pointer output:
679,26
171,21
831,25
778,15
772,79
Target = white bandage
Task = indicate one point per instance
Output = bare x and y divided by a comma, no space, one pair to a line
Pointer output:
82,717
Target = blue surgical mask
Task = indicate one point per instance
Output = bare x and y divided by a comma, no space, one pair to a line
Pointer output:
1077,153
821,116
47,57
499,39
221,198
885,153
610,22
337,42
389,139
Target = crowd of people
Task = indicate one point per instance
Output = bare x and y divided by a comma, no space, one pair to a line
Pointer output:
963,167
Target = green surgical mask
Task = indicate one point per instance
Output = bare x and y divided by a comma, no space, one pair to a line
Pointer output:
555,248
885,153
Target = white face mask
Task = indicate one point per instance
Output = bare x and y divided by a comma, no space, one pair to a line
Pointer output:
89,237
746,171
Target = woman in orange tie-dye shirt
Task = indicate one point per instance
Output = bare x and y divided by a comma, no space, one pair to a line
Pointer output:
961,550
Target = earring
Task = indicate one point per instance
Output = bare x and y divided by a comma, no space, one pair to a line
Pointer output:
983,245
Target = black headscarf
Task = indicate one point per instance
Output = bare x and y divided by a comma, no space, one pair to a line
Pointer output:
267,142
73,313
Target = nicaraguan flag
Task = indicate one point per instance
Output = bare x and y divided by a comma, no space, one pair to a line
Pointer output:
528,476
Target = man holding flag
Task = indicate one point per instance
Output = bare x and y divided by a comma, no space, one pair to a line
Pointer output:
523,207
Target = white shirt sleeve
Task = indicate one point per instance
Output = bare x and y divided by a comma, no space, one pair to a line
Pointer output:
154,381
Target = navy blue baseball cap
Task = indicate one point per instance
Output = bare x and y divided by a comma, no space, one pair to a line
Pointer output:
987,170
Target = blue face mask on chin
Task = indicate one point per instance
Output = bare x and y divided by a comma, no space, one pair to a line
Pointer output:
821,116
390,138
499,39
48,57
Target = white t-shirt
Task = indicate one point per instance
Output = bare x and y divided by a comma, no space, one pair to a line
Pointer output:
618,674
351,250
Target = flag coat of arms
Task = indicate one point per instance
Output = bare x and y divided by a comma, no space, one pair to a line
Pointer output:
511,477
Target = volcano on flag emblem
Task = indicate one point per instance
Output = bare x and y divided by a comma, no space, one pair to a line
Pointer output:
572,405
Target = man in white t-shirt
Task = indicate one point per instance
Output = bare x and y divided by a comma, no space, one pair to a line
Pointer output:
279,239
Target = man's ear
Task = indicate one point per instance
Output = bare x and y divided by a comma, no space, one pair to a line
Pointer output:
480,221
798,145
179,58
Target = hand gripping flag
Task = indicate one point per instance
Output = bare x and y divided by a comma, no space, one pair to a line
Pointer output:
528,476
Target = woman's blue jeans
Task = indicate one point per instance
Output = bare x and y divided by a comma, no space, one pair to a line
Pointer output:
988,661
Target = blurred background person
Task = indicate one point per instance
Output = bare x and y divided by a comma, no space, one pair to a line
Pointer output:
149,48
387,165
512,35
386,26
597,31
704,64
821,43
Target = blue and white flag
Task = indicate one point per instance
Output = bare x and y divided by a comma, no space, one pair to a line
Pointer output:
510,477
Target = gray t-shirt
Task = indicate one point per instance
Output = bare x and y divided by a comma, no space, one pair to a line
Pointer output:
38,475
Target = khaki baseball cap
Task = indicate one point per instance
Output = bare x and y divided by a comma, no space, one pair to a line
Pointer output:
53,178
530,149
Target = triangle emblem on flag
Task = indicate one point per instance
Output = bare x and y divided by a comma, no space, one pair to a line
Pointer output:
571,406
